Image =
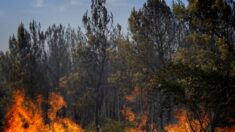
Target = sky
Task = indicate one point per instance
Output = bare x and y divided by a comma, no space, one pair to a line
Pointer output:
48,12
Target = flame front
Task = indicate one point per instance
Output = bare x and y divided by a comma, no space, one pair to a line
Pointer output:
26,116
192,125
139,123
130,115
187,125
226,129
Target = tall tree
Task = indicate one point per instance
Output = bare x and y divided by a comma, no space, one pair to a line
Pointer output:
98,27
204,67
58,55
25,53
154,31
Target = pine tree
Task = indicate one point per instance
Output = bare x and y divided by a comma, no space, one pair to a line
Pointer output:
204,67
154,31
98,28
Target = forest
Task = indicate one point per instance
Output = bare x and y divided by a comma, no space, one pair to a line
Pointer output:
174,71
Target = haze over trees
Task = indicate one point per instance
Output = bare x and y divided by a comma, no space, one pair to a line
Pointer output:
178,58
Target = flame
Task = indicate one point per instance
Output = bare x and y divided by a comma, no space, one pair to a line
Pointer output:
131,117
134,94
226,129
143,121
186,125
128,114
26,116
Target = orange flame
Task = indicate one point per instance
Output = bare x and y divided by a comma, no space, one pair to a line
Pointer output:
143,121
227,129
186,125
134,94
232,129
128,114
131,117
26,116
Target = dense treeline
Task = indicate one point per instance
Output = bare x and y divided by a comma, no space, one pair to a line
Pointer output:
173,58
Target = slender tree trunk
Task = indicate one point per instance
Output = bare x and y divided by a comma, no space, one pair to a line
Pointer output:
98,96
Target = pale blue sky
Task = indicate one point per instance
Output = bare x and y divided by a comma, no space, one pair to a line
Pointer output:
48,12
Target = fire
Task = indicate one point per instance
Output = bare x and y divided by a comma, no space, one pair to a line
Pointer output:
26,116
128,114
187,125
134,94
226,129
138,121
143,121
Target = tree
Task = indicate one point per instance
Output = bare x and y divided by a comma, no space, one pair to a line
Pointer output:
58,55
25,54
154,29
20,65
204,67
98,27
